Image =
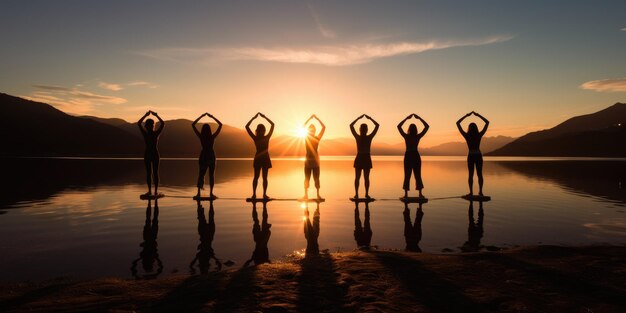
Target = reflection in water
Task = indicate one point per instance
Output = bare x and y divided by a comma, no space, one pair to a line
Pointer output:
149,252
261,234
362,232
206,231
413,231
312,230
474,229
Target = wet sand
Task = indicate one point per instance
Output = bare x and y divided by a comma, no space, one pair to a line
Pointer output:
525,279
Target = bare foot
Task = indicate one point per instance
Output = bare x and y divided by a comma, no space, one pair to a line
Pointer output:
266,197
147,194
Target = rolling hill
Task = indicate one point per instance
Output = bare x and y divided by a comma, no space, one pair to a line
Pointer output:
600,134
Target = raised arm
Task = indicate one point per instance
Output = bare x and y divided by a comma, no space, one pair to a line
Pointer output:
161,123
269,134
250,133
426,126
193,125
354,133
458,123
308,120
219,124
323,127
376,125
140,122
401,125
482,132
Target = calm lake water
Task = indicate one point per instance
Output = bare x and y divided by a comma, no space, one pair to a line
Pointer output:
83,217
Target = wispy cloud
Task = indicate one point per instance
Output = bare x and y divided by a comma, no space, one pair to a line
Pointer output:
606,85
339,55
108,86
325,31
624,29
71,100
142,84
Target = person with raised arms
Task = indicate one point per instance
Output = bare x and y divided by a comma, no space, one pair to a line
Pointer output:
412,159
151,156
312,160
474,157
262,162
363,160
206,160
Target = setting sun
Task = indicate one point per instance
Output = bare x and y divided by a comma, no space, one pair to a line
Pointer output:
301,132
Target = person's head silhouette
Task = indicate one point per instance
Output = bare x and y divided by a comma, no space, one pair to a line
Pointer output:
412,130
260,130
472,129
149,124
363,129
311,130
206,131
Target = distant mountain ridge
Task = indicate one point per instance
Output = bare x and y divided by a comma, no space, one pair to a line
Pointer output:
31,128
599,134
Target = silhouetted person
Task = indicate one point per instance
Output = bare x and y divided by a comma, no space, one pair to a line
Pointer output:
261,234
362,235
262,160
474,228
149,253
151,156
474,156
206,231
312,230
312,160
363,160
413,231
412,159
207,155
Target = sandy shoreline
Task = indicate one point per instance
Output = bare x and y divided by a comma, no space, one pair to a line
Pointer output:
527,279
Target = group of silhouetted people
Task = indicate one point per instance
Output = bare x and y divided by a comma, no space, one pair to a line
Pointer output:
262,161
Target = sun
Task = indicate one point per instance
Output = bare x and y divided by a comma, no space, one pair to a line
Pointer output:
301,132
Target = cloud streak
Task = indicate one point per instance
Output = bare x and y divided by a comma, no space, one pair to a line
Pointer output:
606,85
338,55
71,100
324,31
108,86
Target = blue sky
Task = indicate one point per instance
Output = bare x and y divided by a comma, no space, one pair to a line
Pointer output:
525,65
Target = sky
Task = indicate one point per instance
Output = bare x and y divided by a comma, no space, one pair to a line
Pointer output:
525,65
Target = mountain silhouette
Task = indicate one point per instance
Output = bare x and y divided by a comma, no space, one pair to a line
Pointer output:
600,134
32,128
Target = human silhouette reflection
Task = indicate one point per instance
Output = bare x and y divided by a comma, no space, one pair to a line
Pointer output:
262,162
149,253
474,228
151,156
474,156
261,233
362,231
413,231
312,159
312,230
363,159
206,231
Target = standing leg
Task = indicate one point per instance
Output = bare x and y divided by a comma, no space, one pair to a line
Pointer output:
155,173
265,171
407,176
417,172
316,177
255,180
307,178
479,173
470,179
148,164
357,178
212,178
366,175
201,173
